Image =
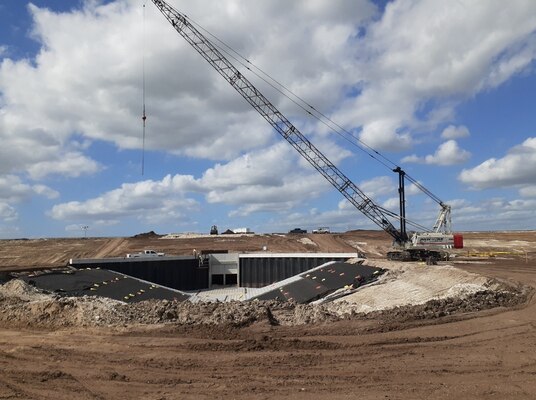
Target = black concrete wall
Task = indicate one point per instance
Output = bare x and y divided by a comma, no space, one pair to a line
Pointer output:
261,271
180,274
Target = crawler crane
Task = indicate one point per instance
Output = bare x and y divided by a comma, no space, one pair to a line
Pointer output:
417,246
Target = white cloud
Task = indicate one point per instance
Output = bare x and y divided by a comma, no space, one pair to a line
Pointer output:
147,200
528,191
406,70
43,190
88,76
392,204
422,57
13,190
516,168
200,116
379,186
71,165
7,213
266,180
455,132
495,213
448,153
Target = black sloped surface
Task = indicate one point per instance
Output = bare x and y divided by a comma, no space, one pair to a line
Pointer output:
304,290
339,275
100,282
320,282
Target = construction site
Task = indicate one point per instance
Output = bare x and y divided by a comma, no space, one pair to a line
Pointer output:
462,328
401,311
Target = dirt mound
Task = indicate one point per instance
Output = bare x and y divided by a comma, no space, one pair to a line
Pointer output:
147,235
19,289
416,283
24,305
481,300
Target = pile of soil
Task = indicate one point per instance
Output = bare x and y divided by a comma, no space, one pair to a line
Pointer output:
147,235
410,284
23,305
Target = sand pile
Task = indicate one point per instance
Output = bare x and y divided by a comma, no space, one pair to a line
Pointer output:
414,284
18,289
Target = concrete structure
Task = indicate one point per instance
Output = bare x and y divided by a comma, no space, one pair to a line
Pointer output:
215,270
261,269
223,269
323,283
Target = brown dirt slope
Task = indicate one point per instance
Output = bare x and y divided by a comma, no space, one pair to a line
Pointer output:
46,253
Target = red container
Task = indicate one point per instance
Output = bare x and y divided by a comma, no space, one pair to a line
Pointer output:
458,241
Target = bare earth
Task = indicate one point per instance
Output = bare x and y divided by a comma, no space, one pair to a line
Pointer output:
479,347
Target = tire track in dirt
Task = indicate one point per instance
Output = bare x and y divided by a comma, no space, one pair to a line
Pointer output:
332,243
112,246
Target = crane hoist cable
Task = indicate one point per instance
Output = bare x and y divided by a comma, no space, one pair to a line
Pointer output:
294,98
144,115
419,247
311,110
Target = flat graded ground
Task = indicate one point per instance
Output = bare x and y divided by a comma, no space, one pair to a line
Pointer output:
486,354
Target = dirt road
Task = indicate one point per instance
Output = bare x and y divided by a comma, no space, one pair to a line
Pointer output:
484,355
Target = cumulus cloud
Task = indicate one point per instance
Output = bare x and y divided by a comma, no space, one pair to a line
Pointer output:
202,117
455,132
70,165
422,53
516,168
371,72
528,191
379,186
150,200
263,181
43,190
495,212
88,76
448,153
7,213
268,180
90,90
14,190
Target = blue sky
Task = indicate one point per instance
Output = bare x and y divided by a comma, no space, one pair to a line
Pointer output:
444,89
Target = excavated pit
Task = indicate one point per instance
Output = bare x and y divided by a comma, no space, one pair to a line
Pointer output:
408,291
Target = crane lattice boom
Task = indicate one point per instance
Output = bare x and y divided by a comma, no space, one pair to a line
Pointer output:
278,121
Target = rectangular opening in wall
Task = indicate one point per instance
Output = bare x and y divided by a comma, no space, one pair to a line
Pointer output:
217,279
231,279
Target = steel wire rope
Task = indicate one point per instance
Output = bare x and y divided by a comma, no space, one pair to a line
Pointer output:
280,88
319,116
144,116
